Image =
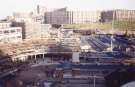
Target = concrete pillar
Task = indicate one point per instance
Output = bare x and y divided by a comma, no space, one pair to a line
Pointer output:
31,57
43,55
75,57
25,58
35,57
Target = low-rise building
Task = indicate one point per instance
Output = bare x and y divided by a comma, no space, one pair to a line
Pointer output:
10,34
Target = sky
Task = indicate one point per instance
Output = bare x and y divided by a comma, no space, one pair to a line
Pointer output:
7,7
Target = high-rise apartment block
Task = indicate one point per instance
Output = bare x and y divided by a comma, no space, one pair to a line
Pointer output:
118,15
63,16
84,17
59,16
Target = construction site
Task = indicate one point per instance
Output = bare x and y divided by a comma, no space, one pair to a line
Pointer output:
71,60
61,48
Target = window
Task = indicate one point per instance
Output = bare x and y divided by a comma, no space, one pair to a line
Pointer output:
18,36
1,32
12,31
6,31
18,30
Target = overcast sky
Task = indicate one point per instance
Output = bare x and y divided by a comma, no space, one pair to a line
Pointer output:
7,7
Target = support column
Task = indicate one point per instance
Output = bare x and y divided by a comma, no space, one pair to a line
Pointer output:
43,56
35,57
31,57
94,81
75,57
25,57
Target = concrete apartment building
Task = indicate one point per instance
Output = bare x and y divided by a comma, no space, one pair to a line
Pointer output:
58,16
53,16
9,34
119,15
33,28
63,16
84,17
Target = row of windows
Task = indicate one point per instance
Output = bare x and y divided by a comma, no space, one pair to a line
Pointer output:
4,25
10,31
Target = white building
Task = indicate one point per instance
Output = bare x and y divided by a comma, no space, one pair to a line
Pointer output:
21,17
10,34
5,24
31,26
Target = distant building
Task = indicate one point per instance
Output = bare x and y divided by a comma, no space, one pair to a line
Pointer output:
63,16
21,17
41,10
10,34
84,17
58,16
119,15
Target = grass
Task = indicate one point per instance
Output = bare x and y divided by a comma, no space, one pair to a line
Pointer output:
121,25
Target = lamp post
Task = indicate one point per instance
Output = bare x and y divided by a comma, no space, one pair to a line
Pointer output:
94,81
112,32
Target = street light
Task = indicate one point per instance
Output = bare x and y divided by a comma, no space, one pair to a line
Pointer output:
112,32
94,81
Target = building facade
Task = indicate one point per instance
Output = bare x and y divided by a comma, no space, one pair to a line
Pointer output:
30,30
31,25
21,17
59,16
33,30
118,15
84,17
10,34
5,24
63,16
